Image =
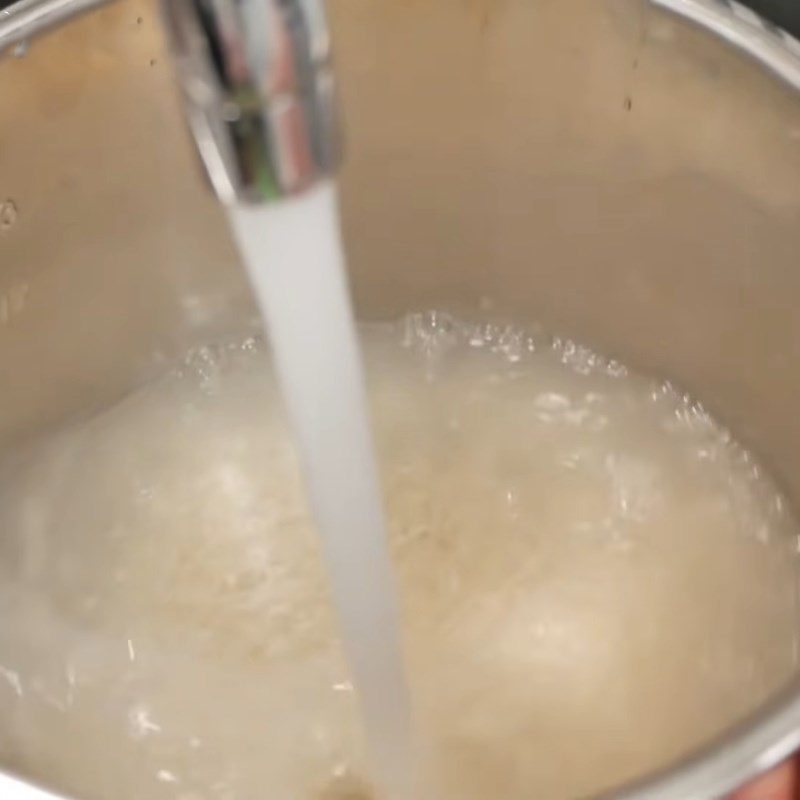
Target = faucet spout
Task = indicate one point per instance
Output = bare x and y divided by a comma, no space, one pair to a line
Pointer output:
257,80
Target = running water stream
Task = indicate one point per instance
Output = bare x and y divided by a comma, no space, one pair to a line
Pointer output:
294,257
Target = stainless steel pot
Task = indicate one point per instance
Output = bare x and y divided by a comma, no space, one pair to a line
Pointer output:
618,172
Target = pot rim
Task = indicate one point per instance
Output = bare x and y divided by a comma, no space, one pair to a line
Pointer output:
770,735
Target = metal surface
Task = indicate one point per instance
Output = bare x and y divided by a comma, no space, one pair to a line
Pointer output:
257,83
26,19
628,180
761,744
743,28
259,90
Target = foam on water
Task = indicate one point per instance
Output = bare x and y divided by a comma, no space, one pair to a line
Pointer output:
594,577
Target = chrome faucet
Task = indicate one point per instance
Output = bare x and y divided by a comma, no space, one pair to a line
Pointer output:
257,83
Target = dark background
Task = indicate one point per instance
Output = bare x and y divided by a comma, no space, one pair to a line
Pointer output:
785,13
